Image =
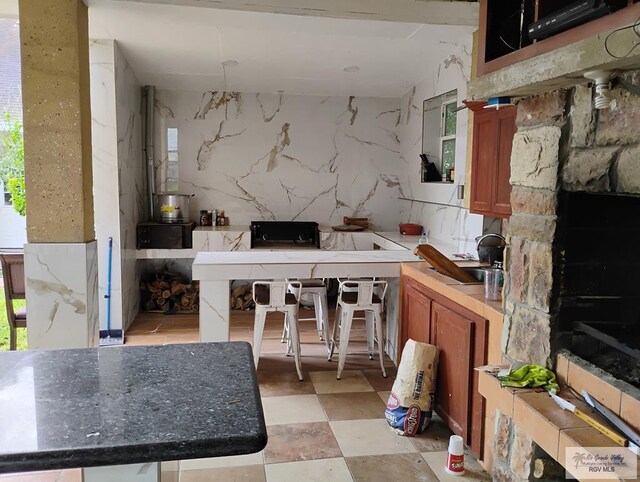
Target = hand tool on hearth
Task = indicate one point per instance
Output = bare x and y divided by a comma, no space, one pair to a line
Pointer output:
631,434
566,405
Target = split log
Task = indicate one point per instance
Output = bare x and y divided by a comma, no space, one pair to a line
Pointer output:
169,292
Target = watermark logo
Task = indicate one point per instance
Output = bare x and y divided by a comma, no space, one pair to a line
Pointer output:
600,463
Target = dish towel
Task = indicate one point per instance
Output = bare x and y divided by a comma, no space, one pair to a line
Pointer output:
532,376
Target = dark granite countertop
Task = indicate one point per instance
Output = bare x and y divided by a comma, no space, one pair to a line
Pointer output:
128,404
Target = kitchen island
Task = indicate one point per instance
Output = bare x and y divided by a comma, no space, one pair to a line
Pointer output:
118,411
215,270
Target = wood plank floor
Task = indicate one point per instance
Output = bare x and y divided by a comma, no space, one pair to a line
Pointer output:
159,329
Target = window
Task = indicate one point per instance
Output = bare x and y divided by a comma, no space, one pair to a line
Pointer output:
173,183
439,119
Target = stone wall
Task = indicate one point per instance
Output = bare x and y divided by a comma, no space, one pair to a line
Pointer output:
562,143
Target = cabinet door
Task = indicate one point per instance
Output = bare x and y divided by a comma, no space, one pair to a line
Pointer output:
416,314
483,161
493,132
506,126
453,334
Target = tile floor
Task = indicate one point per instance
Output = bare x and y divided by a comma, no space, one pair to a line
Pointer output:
320,429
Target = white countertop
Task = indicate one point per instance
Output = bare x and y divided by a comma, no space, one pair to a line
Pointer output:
410,243
401,242
299,264
237,228
295,256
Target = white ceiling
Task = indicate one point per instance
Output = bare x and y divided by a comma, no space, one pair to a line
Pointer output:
450,12
182,47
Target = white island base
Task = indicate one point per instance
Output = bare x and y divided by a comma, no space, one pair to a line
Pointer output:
215,270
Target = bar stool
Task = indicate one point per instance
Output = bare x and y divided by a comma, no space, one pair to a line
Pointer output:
359,295
317,289
281,296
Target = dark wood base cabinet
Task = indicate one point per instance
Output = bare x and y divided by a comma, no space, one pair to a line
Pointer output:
461,335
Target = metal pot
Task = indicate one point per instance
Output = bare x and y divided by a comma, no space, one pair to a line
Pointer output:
492,249
172,208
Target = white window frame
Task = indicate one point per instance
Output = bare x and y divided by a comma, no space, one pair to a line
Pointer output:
443,138
164,172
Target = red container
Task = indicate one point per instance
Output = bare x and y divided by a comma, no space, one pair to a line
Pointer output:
410,229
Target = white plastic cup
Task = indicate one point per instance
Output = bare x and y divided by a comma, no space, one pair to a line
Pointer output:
455,456
492,284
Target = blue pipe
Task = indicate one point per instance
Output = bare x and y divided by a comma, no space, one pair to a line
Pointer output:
108,295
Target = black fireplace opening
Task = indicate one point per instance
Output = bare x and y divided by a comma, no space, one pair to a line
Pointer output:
599,303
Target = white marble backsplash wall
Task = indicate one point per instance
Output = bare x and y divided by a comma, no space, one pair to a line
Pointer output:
285,157
104,136
118,177
63,279
436,205
131,180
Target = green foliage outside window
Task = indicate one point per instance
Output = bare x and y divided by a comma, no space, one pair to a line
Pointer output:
12,163
450,119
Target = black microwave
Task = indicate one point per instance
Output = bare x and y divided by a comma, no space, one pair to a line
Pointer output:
165,236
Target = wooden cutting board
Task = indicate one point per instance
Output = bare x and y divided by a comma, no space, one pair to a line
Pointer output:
442,264
364,222
348,228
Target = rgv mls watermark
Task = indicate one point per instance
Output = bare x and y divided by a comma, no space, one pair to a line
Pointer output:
601,463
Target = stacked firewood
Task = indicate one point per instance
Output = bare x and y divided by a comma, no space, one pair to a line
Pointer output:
241,298
170,292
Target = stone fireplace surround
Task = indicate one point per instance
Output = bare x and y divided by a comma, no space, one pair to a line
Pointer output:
562,144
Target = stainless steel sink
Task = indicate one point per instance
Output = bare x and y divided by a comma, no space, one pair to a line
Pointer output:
477,273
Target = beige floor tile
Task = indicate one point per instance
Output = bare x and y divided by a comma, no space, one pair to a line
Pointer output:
377,381
352,406
472,469
369,437
170,466
292,409
275,384
435,438
251,473
300,441
324,470
70,475
170,471
352,381
397,467
219,462
384,396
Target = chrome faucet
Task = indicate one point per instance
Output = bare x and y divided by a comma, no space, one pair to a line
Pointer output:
489,235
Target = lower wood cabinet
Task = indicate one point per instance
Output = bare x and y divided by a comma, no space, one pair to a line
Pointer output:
460,334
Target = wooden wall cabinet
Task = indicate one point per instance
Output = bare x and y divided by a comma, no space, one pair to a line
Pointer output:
461,335
493,132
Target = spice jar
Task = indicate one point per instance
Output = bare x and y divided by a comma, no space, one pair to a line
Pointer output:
205,219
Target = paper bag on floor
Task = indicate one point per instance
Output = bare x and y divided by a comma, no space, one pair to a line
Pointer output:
409,406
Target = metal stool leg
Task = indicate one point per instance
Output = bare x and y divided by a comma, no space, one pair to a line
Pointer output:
258,330
295,339
369,324
335,335
324,313
345,330
378,323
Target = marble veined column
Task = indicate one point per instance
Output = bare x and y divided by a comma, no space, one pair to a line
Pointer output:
60,257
